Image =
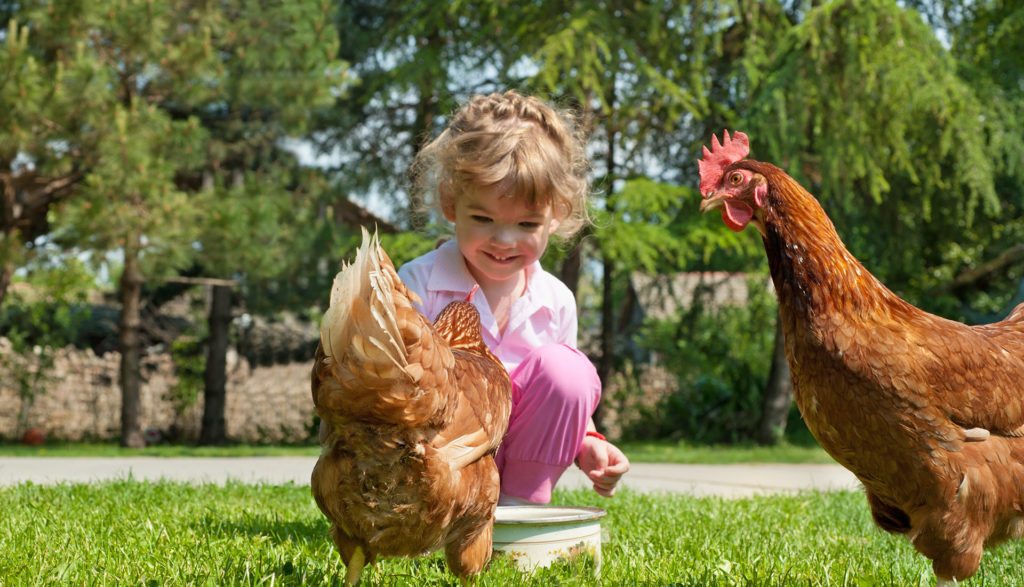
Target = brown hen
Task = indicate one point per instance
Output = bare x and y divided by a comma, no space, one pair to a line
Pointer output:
411,416
927,412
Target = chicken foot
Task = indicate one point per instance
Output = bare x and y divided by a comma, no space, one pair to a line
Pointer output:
352,554
354,567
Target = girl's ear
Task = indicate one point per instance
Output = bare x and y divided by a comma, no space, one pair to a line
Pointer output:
558,215
447,202
555,223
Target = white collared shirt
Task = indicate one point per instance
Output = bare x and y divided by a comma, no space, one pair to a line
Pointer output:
546,313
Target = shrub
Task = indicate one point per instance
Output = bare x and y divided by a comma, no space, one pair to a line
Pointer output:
188,355
708,372
41,314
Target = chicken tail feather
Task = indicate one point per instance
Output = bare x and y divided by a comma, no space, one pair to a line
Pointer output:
362,310
378,350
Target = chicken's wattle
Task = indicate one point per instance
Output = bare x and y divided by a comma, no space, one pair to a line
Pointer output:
736,215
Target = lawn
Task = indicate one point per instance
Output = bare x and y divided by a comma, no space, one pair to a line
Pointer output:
640,452
127,532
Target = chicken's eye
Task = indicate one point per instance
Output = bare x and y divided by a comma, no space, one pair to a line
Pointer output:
735,178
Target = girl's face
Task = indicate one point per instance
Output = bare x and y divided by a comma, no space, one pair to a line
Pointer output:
499,236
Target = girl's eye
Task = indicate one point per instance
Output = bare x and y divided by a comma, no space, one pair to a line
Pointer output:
530,225
736,178
480,219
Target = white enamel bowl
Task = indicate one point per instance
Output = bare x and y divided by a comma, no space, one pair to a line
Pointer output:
537,535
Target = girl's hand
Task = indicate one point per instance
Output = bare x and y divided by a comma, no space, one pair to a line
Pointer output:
603,463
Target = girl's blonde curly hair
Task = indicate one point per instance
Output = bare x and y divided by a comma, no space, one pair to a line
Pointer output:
518,144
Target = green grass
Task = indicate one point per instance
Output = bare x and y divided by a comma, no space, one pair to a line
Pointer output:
639,452
132,533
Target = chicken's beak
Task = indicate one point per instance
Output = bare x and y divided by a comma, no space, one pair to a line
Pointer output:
711,201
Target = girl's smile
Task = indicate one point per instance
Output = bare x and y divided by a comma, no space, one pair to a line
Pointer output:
501,258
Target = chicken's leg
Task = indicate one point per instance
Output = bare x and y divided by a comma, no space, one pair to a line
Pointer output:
354,567
352,554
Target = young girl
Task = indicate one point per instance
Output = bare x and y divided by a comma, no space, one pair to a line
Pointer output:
510,172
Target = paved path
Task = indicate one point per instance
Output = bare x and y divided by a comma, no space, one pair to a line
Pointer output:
700,480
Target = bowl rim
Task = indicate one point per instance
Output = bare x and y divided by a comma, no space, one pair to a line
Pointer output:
582,513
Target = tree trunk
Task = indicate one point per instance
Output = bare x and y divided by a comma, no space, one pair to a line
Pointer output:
426,113
571,266
8,235
128,341
605,365
6,272
778,395
215,391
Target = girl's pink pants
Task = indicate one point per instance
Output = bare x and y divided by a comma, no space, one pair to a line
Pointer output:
555,391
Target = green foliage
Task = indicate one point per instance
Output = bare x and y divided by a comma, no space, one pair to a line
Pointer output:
132,191
412,63
244,228
277,65
41,316
189,355
637,230
869,111
129,102
406,246
46,303
989,41
280,62
721,358
51,113
884,70
184,130
639,75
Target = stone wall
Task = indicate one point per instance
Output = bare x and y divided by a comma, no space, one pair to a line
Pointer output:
82,399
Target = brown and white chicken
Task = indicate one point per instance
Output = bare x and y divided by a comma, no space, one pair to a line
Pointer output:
411,416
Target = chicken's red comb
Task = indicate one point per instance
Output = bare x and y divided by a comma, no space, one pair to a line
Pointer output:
721,155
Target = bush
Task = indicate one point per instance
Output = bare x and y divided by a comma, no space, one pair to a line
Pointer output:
41,314
708,372
188,353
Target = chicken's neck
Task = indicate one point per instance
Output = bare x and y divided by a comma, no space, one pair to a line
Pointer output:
459,325
813,272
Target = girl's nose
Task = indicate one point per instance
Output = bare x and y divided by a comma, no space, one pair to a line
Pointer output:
504,235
